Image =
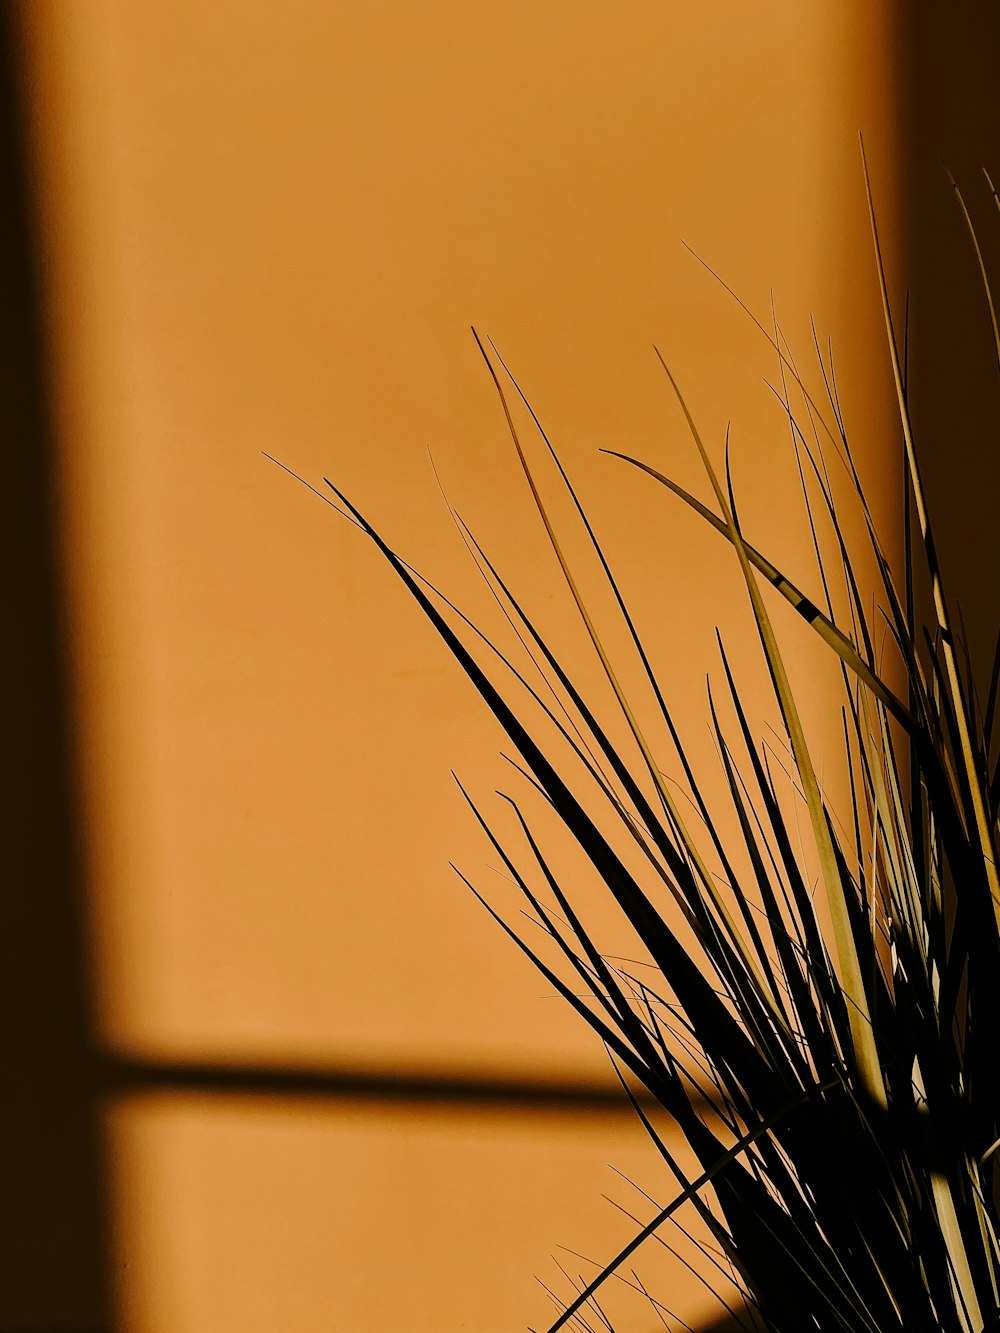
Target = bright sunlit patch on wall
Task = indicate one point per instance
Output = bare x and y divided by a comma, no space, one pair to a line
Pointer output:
271,232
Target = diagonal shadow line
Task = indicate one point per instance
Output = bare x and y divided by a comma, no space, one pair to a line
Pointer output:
123,1074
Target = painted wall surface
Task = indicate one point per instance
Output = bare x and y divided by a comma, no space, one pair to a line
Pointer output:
270,231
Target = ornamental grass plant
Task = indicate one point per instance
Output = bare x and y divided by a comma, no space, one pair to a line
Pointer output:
814,997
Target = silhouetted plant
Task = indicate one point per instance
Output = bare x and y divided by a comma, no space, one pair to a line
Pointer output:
848,1165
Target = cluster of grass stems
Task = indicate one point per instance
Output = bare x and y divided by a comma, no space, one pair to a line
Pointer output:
848,1169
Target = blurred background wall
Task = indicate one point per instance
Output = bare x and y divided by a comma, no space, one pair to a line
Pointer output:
271,1066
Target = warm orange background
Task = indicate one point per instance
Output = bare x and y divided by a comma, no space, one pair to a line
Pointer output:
269,229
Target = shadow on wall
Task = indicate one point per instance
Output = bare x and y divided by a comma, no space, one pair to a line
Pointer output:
952,119
53,1223
56,1269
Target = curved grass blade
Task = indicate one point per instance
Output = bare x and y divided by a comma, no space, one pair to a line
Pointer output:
865,1052
663,791
807,609
689,1192
968,757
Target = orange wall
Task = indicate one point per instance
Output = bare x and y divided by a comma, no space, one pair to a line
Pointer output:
270,231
